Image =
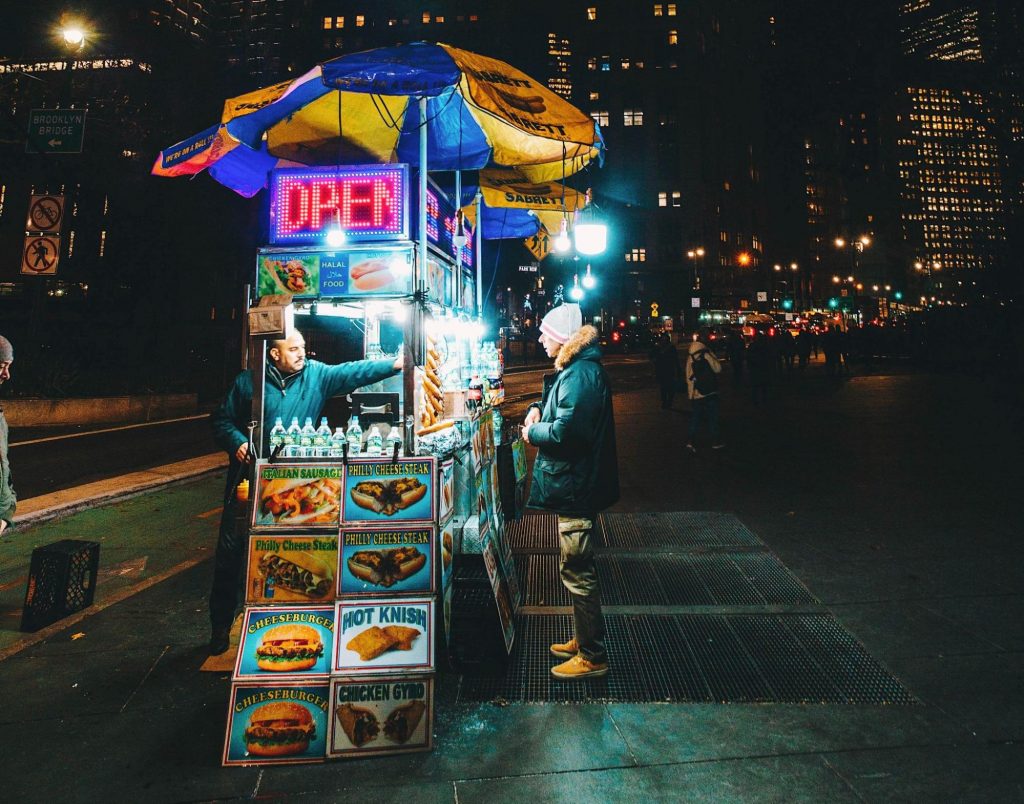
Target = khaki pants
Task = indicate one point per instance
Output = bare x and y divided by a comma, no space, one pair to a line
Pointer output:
579,575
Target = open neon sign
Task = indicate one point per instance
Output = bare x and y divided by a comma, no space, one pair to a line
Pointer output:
369,203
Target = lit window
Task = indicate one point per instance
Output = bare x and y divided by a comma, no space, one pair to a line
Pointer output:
636,255
723,236
360,20
595,96
592,13
659,9
592,64
677,198
103,241
673,37
601,118
328,23
625,64
426,18
726,186
632,117
662,199
339,22
439,20
671,9
474,18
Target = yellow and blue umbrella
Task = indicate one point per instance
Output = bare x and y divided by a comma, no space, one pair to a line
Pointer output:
515,207
361,108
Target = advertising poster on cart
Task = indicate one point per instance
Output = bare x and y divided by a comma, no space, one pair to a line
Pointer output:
380,715
377,561
277,723
384,635
446,547
283,642
298,495
293,568
446,490
384,492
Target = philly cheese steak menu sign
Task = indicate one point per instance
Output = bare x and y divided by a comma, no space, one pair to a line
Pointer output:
383,492
297,568
392,561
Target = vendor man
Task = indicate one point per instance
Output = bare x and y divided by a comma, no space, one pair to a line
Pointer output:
295,388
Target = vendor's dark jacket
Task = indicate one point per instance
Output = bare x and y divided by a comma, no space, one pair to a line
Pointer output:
8,500
301,394
576,472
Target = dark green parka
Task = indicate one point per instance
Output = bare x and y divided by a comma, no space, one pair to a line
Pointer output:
576,472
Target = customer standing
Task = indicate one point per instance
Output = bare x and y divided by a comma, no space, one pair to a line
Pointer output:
575,475
702,370
8,500
667,369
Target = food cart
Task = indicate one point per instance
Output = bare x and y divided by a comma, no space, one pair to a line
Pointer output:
353,536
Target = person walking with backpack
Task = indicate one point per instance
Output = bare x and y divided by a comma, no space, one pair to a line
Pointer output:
702,370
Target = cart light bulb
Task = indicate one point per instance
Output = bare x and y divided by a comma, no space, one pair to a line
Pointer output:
576,293
336,237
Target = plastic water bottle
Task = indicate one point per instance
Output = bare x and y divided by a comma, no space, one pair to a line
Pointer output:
276,435
374,443
322,439
354,435
394,437
306,438
291,438
337,442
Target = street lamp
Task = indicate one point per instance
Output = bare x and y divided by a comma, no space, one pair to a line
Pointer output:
73,35
588,279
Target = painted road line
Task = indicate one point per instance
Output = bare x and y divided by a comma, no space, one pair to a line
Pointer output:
107,430
211,512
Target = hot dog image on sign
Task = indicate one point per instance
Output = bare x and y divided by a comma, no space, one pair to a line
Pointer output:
282,642
388,492
446,550
298,495
446,490
277,723
386,561
378,273
291,569
381,715
374,636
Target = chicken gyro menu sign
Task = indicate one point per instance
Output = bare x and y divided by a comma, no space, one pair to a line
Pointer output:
291,569
380,716
284,642
277,724
375,636
387,561
386,492
298,495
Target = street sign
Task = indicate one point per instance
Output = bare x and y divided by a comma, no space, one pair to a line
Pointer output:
762,295
55,131
40,255
45,213
695,301
528,269
539,245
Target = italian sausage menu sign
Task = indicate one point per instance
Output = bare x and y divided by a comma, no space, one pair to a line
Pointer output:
383,492
376,716
277,723
298,495
383,636
391,561
283,642
291,569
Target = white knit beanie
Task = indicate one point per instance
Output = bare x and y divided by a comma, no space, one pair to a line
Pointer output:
561,323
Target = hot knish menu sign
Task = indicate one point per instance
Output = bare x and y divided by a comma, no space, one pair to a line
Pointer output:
380,716
376,561
380,636
277,723
291,569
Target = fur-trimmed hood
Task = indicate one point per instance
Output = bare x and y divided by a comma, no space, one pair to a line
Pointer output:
585,336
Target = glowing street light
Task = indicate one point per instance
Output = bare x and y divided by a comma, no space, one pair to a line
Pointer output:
73,35
743,258
588,279
562,242
576,293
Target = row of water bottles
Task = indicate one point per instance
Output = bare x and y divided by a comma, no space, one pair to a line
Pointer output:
319,442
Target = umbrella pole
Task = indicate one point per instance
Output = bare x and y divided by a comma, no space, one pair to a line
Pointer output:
479,255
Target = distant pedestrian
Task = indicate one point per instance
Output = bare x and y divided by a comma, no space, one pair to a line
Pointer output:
702,370
576,475
8,499
830,345
804,342
736,350
788,348
759,361
844,347
667,369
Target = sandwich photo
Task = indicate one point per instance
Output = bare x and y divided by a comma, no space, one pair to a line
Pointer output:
301,501
402,722
386,567
299,572
279,729
446,549
376,641
371,275
289,648
388,497
359,724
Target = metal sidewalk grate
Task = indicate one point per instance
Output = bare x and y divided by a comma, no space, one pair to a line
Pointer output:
715,579
533,533
674,528
699,658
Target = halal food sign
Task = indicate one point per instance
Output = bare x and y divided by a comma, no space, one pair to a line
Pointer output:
367,203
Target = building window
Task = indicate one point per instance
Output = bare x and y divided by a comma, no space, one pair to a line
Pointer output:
360,20
659,9
439,20
727,186
339,22
662,199
673,37
592,13
474,17
426,18
632,117
625,64
328,23
636,255
103,241
592,64
723,236
595,96
677,198
671,9
601,118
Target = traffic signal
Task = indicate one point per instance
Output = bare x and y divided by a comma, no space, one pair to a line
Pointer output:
787,304
898,295
833,303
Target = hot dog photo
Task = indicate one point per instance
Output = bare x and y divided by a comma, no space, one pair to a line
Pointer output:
277,723
279,642
372,273
391,560
388,492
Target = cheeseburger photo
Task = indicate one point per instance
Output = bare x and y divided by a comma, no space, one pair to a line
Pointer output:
279,729
289,648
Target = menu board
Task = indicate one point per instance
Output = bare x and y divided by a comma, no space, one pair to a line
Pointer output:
277,723
291,568
379,716
519,458
393,561
483,505
284,642
382,636
446,490
297,273
385,492
446,551
500,587
298,495
366,273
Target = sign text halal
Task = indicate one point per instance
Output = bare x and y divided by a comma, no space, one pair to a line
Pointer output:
55,131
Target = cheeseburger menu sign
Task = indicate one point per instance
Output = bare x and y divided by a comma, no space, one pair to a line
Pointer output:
283,642
277,723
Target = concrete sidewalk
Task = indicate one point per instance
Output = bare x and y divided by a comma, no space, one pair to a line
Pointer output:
904,527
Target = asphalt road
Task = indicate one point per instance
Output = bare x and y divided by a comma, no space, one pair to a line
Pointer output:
44,461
